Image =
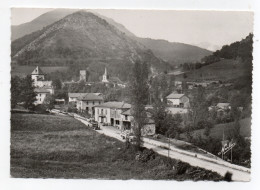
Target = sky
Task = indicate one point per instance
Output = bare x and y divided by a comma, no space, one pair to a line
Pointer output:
207,29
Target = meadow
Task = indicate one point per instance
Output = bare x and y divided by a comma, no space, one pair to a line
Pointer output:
49,146
224,70
217,131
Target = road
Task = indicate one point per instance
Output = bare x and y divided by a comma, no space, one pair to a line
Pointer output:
238,173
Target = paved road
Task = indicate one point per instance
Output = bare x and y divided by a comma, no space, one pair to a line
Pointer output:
238,174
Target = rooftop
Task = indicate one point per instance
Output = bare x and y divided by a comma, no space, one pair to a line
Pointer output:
90,96
174,96
127,112
222,105
118,105
76,95
41,90
37,71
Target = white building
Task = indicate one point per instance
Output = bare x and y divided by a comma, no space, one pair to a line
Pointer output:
128,123
43,88
87,102
178,100
37,74
41,95
110,112
83,75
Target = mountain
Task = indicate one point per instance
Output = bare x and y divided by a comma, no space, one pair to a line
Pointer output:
231,62
83,39
175,53
38,23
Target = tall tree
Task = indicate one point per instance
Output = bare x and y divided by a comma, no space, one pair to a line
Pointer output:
198,107
56,83
139,97
28,96
15,91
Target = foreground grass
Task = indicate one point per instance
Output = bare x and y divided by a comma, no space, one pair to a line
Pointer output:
47,146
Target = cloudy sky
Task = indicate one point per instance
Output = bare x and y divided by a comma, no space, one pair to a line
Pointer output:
207,29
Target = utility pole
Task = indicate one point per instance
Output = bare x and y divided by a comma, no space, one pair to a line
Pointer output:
169,148
222,145
231,154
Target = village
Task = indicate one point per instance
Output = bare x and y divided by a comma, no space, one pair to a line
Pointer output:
115,113
90,100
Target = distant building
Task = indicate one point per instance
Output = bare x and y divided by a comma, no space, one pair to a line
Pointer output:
83,75
87,102
73,96
105,76
223,106
42,87
114,81
128,123
41,94
110,112
178,100
37,74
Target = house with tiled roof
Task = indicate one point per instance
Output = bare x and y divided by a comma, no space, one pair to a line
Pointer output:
128,123
177,100
110,112
73,96
87,101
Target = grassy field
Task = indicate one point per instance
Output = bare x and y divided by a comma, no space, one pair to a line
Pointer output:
223,70
22,71
48,146
217,131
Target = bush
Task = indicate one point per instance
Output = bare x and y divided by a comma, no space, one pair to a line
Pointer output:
145,156
40,109
181,167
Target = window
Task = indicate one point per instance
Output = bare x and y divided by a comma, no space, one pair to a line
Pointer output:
93,103
99,102
126,117
40,94
87,102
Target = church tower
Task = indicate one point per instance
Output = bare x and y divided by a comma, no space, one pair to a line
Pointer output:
37,74
104,78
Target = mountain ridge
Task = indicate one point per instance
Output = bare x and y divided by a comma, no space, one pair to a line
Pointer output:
84,40
175,53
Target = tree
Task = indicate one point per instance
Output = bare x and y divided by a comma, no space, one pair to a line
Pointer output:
198,107
173,123
57,84
15,91
49,102
28,96
139,97
159,114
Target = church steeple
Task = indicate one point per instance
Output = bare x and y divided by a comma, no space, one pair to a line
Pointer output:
105,71
104,78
